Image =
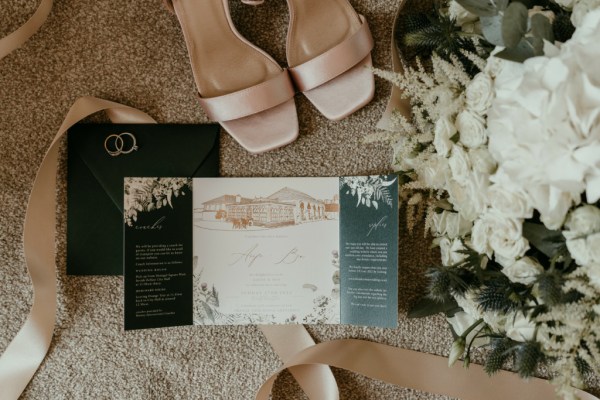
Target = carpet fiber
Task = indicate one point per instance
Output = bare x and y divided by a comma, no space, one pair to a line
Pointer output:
133,52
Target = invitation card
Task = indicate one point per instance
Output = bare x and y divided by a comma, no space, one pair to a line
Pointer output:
231,251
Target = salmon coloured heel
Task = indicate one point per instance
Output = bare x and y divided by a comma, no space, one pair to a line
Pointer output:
239,85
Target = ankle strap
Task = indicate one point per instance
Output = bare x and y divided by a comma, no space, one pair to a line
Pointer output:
169,3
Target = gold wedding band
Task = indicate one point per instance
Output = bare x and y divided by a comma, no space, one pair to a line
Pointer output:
115,145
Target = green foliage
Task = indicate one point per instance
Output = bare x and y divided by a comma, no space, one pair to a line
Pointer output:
499,354
441,36
549,285
563,28
542,28
440,284
514,24
547,241
528,356
414,22
582,366
499,294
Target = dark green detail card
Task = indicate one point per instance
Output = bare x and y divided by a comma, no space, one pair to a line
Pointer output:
369,250
158,252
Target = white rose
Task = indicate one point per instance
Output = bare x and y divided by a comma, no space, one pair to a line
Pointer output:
524,270
471,127
579,251
500,234
507,240
470,198
480,237
450,224
583,221
520,328
480,93
566,4
482,160
450,250
585,250
460,14
460,165
510,201
593,243
444,131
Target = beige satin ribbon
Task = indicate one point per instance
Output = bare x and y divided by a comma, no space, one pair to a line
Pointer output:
415,370
16,39
27,350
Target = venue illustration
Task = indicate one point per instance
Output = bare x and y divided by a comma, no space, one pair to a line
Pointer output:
286,206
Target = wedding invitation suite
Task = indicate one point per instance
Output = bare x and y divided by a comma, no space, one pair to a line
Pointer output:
230,251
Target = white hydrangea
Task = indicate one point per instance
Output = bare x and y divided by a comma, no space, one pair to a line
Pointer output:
544,129
581,8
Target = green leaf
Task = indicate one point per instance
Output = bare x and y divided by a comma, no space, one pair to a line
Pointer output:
537,45
492,29
427,307
514,24
542,28
527,48
483,8
545,240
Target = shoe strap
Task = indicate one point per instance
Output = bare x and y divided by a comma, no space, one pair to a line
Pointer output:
334,61
169,3
252,100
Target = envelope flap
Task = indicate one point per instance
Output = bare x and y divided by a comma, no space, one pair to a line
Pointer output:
163,150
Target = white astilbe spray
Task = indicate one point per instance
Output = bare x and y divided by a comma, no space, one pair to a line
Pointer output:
573,330
435,93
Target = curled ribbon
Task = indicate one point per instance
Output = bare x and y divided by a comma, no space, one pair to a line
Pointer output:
16,39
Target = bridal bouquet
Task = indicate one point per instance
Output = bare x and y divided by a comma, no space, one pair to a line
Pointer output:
503,148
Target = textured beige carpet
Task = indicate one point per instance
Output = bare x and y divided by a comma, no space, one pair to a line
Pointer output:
133,52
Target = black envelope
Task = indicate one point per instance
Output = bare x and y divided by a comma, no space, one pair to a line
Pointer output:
95,182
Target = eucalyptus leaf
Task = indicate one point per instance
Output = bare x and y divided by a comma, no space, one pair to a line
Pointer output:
492,29
545,240
537,45
542,28
482,8
427,307
527,48
514,24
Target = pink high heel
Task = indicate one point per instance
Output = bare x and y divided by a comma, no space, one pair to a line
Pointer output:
238,84
329,51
